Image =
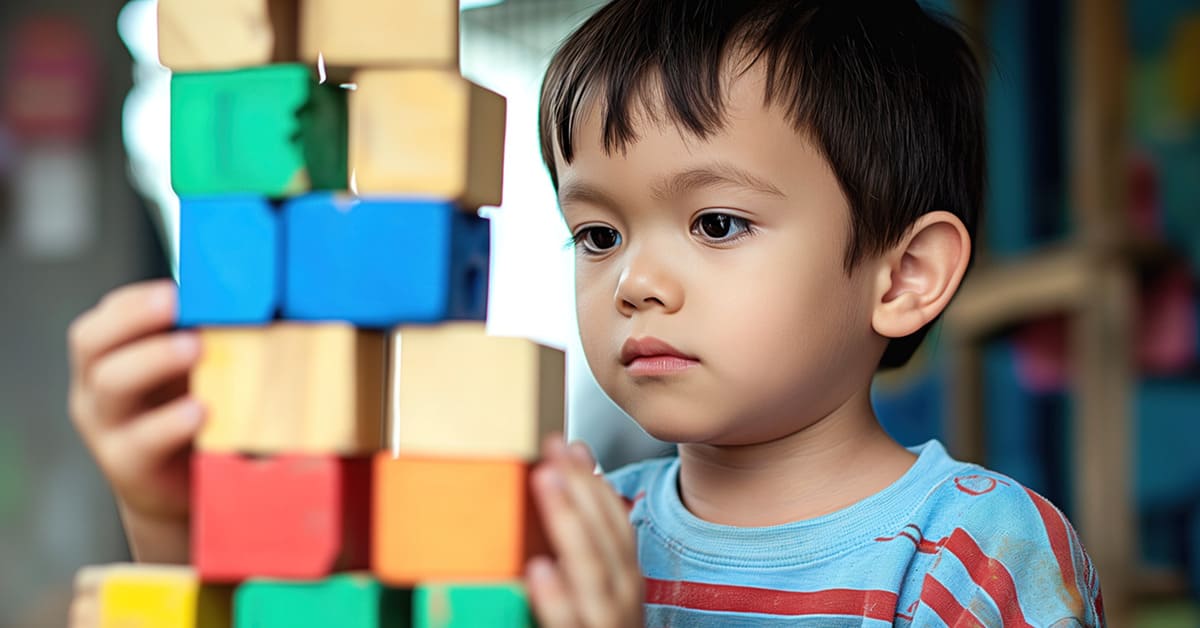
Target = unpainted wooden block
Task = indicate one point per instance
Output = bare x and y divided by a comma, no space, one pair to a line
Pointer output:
272,131
379,262
462,393
353,600
222,34
291,388
452,519
356,33
466,605
296,517
427,132
230,250
124,595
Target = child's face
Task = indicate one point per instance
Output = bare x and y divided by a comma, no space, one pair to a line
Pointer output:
730,250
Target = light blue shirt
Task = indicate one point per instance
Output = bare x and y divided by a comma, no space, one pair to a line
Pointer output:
948,544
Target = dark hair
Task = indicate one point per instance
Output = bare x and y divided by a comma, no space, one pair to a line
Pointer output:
891,96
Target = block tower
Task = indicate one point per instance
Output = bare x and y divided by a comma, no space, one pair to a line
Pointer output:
366,457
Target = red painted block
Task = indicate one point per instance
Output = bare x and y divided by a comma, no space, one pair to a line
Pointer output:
299,517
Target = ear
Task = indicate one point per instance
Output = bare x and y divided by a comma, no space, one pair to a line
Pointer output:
919,275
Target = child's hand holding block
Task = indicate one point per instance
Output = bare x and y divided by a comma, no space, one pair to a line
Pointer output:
356,33
269,130
280,517
452,519
463,393
126,595
221,34
292,387
426,133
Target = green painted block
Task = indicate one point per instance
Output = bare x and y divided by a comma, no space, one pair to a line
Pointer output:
270,130
471,605
347,601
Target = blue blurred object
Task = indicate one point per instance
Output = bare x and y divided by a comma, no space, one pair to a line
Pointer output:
381,262
229,261
911,411
1167,472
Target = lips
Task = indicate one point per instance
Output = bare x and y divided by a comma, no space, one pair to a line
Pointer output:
649,347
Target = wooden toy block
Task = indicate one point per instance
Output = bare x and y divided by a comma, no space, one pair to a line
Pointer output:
380,262
356,33
299,517
229,261
292,388
220,34
269,130
427,132
345,600
125,595
446,605
452,519
466,394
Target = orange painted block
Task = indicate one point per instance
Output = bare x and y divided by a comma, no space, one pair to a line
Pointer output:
452,519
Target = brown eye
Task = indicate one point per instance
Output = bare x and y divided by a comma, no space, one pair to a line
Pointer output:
721,227
597,239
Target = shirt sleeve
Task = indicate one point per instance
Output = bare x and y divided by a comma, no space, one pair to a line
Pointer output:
1011,560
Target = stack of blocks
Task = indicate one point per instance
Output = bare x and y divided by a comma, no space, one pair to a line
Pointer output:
321,494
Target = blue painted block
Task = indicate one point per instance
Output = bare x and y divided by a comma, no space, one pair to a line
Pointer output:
229,261
382,262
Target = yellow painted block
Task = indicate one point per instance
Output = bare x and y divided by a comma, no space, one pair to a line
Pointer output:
460,392
225,34
158,596
426,132
292,388
355,33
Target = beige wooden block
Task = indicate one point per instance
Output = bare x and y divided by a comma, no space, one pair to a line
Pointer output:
292,388
122,595
460,392
198,35
357,33
426,132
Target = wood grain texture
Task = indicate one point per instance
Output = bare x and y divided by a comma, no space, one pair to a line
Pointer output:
427,132
460,392
354,33
448,519
225,34
290,387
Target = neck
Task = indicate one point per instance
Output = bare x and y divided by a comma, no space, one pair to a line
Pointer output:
798,476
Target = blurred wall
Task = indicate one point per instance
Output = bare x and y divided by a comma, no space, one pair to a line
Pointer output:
55,511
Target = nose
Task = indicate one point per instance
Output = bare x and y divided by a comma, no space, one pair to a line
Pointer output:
646,284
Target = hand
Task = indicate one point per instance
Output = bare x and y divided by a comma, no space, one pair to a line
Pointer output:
596,581
129,402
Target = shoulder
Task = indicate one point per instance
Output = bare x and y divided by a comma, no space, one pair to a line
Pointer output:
1006,553
635,479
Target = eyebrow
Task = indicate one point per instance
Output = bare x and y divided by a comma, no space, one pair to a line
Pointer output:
710,176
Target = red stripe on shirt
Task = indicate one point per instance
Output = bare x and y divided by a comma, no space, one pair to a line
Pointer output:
1060,543
872,604
990,574
939,599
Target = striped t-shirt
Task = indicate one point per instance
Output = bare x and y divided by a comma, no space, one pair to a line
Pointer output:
948,544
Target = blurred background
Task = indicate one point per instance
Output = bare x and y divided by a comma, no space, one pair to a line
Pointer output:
1071,360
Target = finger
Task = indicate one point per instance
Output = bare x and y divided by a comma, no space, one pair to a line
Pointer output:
586,492
126,313
579,558
122,379
548,595
154,436
579,453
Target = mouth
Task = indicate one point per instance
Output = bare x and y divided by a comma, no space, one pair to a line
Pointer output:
648,356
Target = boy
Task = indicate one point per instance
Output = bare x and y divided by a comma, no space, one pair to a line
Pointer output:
769,200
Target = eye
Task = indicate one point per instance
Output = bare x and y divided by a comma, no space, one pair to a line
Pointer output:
720,227
596,240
